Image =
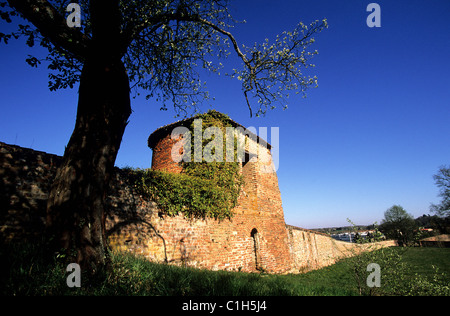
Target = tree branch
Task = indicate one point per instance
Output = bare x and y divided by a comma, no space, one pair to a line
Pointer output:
196,18
53,25
269,67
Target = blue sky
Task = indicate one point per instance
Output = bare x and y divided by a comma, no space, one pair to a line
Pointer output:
370,136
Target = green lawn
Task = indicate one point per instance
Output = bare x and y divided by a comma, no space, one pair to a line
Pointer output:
422,259
404,271
413,274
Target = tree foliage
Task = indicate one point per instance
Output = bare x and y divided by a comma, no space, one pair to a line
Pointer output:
442,180
398,224
164,44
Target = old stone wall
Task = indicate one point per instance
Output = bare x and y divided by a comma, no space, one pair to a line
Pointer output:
313,250
254,234
25,179
256,238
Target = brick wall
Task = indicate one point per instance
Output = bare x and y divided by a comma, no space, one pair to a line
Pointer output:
162,155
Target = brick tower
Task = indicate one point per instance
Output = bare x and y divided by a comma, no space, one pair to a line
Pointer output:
256,237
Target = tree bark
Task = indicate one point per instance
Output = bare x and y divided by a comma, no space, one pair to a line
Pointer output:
76,204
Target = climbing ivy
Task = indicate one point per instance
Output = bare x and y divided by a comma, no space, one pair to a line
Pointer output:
202,189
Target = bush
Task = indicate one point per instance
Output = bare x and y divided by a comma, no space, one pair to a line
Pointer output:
396,274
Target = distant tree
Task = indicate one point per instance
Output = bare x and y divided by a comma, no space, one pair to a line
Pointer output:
158,47
398,225
442,179
432,221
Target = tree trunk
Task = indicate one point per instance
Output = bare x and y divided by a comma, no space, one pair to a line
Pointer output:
76,204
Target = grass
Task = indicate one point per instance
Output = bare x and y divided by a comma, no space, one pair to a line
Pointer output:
423,259
29,274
